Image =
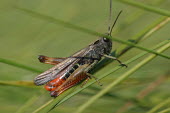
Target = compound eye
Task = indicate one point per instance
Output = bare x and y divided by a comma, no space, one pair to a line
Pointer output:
106,39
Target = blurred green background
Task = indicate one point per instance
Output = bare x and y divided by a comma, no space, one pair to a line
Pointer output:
24,37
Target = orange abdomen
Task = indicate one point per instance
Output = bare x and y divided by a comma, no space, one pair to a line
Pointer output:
52,85
77,79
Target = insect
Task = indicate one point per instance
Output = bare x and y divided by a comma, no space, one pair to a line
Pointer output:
73,70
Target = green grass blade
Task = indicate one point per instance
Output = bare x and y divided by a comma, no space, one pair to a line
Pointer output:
85,30
18,83
157,27
139,13
43,106
22,66
32,100
48,106
154,109
147,7
142,35
120,79
139,47
165,111
27,104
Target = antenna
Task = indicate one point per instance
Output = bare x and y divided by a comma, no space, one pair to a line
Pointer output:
110,27
110,17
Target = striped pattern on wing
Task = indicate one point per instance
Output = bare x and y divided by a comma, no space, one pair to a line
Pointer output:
59,69
77,77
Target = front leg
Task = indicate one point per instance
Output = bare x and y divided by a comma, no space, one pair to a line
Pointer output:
114,58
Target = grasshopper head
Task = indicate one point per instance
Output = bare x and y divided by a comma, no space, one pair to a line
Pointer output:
103,45
107,45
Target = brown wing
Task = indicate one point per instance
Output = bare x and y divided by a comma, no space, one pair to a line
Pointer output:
59,69
50,60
